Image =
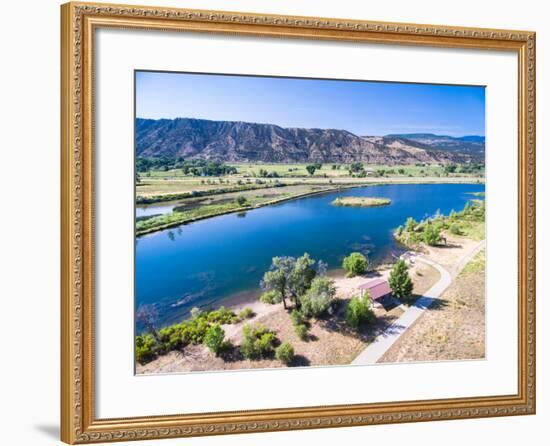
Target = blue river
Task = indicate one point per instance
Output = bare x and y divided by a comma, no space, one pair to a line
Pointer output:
204,263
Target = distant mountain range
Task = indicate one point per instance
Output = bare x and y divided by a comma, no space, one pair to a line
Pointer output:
251,142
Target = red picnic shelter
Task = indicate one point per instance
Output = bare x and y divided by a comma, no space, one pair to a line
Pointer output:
377,288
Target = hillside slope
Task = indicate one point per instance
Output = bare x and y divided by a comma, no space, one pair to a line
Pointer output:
251,142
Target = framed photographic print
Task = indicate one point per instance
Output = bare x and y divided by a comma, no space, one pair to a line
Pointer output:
275,223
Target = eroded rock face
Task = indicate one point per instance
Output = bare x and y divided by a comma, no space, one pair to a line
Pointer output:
250,142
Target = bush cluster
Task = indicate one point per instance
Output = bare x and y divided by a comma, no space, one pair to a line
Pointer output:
146,348
299,324
258,342
429,230
245,313
190,331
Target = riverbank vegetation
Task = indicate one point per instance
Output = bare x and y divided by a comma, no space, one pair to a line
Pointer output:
201,189
469,223
201,327
361,201
201,207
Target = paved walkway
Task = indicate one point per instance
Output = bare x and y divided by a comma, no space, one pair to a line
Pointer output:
384,341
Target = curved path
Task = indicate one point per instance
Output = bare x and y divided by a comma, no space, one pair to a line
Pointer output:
384,341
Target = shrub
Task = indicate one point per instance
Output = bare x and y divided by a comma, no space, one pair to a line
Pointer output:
318,298
146,348
297,318
359,312
193,330
265,343
259,330
285,353
246,313
400,281
221,316
214,338
455,229
257,342
301,331
355,264
241,200
249,348
271,297
170,338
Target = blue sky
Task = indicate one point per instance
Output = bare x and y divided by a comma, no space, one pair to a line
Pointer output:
363,108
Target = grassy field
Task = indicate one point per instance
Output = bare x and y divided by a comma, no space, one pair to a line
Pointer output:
331,170
334,170
149,187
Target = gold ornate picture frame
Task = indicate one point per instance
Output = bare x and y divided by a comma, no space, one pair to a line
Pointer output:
78,25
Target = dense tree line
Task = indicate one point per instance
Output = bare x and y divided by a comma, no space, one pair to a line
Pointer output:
195,167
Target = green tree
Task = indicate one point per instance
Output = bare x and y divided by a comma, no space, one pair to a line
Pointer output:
355,264
356,167
400,281
450,168
214,338
410,225
288,277
311,169
431,235
301,277
276,279
318,298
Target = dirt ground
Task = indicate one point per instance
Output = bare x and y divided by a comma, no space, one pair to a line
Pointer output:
330,340
449,256
453,328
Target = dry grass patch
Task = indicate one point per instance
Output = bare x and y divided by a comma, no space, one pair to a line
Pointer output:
454,327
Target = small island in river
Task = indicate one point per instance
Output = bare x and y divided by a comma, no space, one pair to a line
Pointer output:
361,201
